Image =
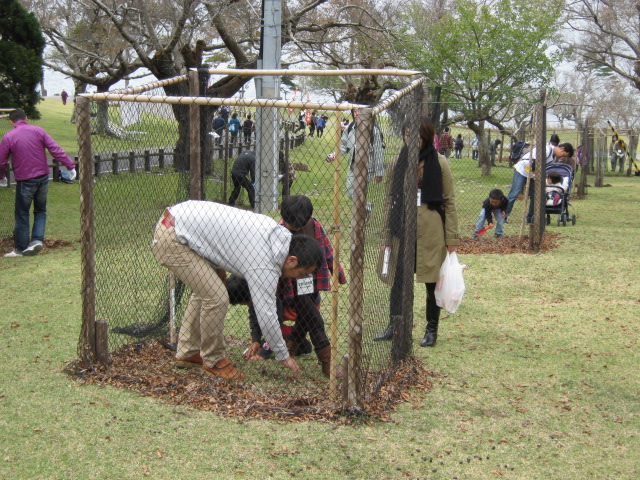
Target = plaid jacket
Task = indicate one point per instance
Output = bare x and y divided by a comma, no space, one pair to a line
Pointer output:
322,276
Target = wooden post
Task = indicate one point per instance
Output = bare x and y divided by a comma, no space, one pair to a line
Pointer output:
161,158
102,342
599,169
583,168
337,238
87,347
114,163
358,223
401,342
147,161
132,162
55,172
195,175
98,166
536,230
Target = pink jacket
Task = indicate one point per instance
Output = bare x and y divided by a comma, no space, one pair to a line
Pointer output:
26,144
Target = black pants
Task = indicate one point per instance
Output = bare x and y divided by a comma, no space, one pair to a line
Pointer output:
238,183
433,310
395,296
309,321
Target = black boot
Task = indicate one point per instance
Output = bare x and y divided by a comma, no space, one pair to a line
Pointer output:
387,334
431,334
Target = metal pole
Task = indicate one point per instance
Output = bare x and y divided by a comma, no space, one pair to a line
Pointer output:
195,176
267,131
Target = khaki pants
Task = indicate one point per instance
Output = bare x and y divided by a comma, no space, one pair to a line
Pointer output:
203,323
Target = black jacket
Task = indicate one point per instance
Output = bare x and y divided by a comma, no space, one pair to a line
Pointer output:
488,209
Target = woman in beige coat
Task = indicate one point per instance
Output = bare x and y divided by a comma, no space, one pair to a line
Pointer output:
437,226
437,223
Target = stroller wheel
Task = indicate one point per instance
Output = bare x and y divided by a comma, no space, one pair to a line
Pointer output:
573,219
564,220
548,219
559,220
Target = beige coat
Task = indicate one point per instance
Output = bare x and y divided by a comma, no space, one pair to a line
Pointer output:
431,238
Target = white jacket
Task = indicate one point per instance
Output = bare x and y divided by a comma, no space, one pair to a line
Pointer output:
248,244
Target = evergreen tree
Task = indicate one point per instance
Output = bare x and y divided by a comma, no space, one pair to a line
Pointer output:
21,48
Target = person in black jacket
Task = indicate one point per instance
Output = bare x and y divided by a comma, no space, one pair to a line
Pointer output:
244,165
495,204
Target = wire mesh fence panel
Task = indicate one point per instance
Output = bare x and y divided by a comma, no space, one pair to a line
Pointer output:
310,172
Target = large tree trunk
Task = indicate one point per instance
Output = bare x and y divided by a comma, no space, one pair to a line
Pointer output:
484,160
80,87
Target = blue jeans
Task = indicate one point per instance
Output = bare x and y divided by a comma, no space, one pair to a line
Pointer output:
497,214
517,185
30,191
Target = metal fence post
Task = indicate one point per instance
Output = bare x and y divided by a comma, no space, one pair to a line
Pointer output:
195,175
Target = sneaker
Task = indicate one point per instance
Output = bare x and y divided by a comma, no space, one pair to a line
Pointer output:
34,248
498,235
475,235
224,369
12,254
190,362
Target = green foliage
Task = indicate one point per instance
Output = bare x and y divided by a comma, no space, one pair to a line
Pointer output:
21,48
485,55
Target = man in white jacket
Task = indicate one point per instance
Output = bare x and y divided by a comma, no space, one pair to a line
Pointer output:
198,241
521,169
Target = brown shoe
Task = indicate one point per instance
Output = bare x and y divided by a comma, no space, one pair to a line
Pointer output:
224,369
191,362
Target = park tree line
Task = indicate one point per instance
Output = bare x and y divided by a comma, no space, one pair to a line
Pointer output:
485,60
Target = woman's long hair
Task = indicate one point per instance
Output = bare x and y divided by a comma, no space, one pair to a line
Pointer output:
427,132
431,184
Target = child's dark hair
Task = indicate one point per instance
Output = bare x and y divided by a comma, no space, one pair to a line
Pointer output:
307,250
296,210
555,177
238,290
496,194
567,147
555,139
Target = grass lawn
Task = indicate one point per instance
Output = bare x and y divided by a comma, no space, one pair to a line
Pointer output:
536,377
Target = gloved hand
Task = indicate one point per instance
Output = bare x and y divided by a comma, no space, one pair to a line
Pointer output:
72,173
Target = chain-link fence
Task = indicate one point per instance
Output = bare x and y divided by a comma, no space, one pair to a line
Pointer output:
148,151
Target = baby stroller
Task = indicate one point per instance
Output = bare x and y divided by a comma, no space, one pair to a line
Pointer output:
562,207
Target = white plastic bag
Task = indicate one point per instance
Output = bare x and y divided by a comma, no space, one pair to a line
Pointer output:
450,287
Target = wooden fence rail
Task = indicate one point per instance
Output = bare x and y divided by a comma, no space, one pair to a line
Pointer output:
133,161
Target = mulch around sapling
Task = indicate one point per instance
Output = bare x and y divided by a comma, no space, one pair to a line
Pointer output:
506,245
149,370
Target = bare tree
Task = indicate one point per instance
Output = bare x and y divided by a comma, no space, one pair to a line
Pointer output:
606,33
82,46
